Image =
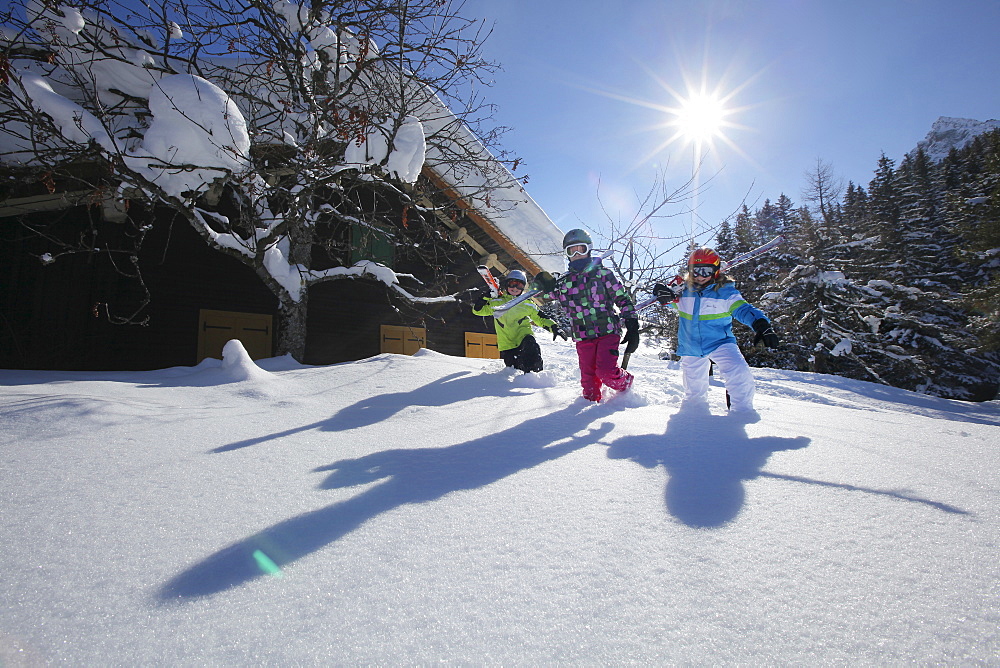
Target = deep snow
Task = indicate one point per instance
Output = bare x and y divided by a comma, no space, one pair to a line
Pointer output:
431,509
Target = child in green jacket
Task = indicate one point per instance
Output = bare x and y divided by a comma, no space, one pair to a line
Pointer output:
515,340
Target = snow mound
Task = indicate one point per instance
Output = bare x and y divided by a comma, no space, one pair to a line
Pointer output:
237,363
633,398
542,379
238,367
283,363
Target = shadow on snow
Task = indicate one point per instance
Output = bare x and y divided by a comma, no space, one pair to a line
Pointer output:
408,476
879,492
451,389
708,457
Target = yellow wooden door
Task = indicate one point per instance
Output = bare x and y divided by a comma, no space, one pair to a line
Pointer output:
403,340
481,345
216,328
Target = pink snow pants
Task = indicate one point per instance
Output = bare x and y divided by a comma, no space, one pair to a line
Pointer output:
599,366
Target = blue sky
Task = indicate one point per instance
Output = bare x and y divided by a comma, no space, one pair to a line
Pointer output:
838,81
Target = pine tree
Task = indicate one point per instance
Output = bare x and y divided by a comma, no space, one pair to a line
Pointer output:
977,220
725,240
883,218
926,242
810,304
768,220
870,294
921,331
745,231
784,213
854,213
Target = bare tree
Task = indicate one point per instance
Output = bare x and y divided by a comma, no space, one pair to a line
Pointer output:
639,245
644,251
314,119
823,189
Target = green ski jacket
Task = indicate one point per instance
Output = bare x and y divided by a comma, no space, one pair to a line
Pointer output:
515,324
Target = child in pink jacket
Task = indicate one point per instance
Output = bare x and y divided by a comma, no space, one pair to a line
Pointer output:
590,294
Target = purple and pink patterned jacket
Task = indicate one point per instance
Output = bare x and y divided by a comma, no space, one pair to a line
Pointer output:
589,298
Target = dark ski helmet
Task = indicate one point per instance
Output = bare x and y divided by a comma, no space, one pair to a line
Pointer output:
577,237
515,275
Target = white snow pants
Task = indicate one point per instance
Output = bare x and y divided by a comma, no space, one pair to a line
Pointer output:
735,372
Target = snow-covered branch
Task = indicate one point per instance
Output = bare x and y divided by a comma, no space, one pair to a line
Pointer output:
275,128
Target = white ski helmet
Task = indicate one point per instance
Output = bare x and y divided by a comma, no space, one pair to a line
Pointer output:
577,237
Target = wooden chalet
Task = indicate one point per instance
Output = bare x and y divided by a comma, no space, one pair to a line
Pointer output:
63,315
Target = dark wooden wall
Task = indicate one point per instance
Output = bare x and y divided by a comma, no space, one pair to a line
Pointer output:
345,319
54,316
48,321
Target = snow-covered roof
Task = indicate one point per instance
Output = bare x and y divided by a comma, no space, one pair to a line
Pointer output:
530,228
509,208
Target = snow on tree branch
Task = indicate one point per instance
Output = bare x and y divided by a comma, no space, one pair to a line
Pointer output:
264,124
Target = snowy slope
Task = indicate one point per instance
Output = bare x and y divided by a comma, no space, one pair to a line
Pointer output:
430,509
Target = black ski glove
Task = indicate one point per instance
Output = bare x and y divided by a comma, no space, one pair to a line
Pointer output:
669,293
481,301
631,339
554,328
545,281
765,333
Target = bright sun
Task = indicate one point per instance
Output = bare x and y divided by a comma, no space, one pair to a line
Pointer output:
700,118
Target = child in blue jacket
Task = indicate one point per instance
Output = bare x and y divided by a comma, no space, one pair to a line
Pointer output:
706,307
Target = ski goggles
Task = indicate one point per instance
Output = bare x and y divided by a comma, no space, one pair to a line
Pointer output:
570,253
704,270
515,284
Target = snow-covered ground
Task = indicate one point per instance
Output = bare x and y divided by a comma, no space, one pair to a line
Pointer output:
431,509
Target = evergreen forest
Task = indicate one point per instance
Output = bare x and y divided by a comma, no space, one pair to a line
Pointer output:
895,282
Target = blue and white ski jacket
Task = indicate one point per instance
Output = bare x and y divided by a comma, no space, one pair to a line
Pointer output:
705,317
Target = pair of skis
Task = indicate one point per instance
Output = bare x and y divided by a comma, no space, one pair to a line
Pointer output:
542,288
535,291
490,279
678,282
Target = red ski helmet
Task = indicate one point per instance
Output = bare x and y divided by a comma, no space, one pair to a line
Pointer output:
705,256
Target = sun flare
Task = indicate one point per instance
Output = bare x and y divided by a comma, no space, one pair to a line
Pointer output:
694,124
700,118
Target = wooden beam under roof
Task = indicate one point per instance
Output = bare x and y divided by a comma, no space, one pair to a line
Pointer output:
484,223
